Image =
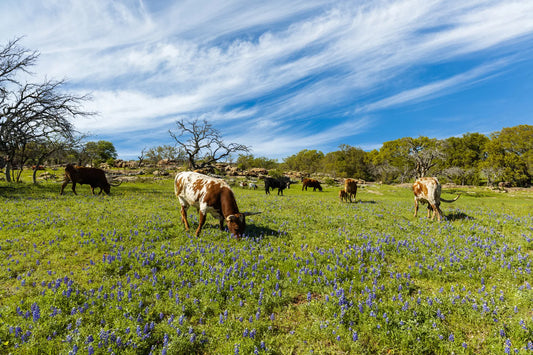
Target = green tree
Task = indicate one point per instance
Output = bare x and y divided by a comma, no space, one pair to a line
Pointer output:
309,161
511,150
350,162
248,161
99,152
464,157
465,152
392,163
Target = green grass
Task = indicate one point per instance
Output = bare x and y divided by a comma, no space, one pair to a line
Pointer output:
119,273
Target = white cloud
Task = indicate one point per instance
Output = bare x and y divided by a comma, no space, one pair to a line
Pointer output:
271,63
434,89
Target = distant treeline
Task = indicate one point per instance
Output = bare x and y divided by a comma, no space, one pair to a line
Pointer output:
473,159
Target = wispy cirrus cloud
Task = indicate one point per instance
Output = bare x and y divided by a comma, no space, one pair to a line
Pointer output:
312,67
435,89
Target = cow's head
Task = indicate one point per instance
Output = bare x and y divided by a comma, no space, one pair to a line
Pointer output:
237,223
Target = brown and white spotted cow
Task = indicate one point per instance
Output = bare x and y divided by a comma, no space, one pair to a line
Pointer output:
209,195
427,190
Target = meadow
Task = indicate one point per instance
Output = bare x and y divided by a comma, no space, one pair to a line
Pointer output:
119,274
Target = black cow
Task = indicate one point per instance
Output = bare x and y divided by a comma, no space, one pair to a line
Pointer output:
287,181
273,183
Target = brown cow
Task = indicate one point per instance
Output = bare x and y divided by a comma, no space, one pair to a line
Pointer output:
315,184
350,186
343,196
209,195
91,176
427,190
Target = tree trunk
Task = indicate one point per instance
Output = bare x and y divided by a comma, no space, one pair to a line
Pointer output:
37,165
18,174
34,175
8,171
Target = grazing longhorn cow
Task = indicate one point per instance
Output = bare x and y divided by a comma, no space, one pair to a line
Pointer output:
209,195
272,183
91,176
350,186
306,182
427,190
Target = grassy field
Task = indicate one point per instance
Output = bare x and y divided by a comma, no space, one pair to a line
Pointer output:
101,274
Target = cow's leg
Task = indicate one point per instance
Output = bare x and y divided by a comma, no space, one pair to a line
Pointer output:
221,221
416,207
431,210
201,222
184,217
65,183
439,212
74,187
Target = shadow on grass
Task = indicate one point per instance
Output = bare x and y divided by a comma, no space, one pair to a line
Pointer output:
210,230
458,216
52,189
21,190
258,232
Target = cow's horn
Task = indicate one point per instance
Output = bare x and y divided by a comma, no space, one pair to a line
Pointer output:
250,213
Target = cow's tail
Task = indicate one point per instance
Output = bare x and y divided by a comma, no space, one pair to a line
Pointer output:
115,184
450,201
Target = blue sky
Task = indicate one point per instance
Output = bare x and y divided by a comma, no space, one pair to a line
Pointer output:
282,76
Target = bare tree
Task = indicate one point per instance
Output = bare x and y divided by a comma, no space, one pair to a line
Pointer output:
426,153
142,157
203,144
37,112
164,152
31,113
14,58
493,174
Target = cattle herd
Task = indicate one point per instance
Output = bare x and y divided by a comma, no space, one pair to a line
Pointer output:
214,196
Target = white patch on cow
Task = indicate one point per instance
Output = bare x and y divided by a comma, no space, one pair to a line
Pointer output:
191,196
